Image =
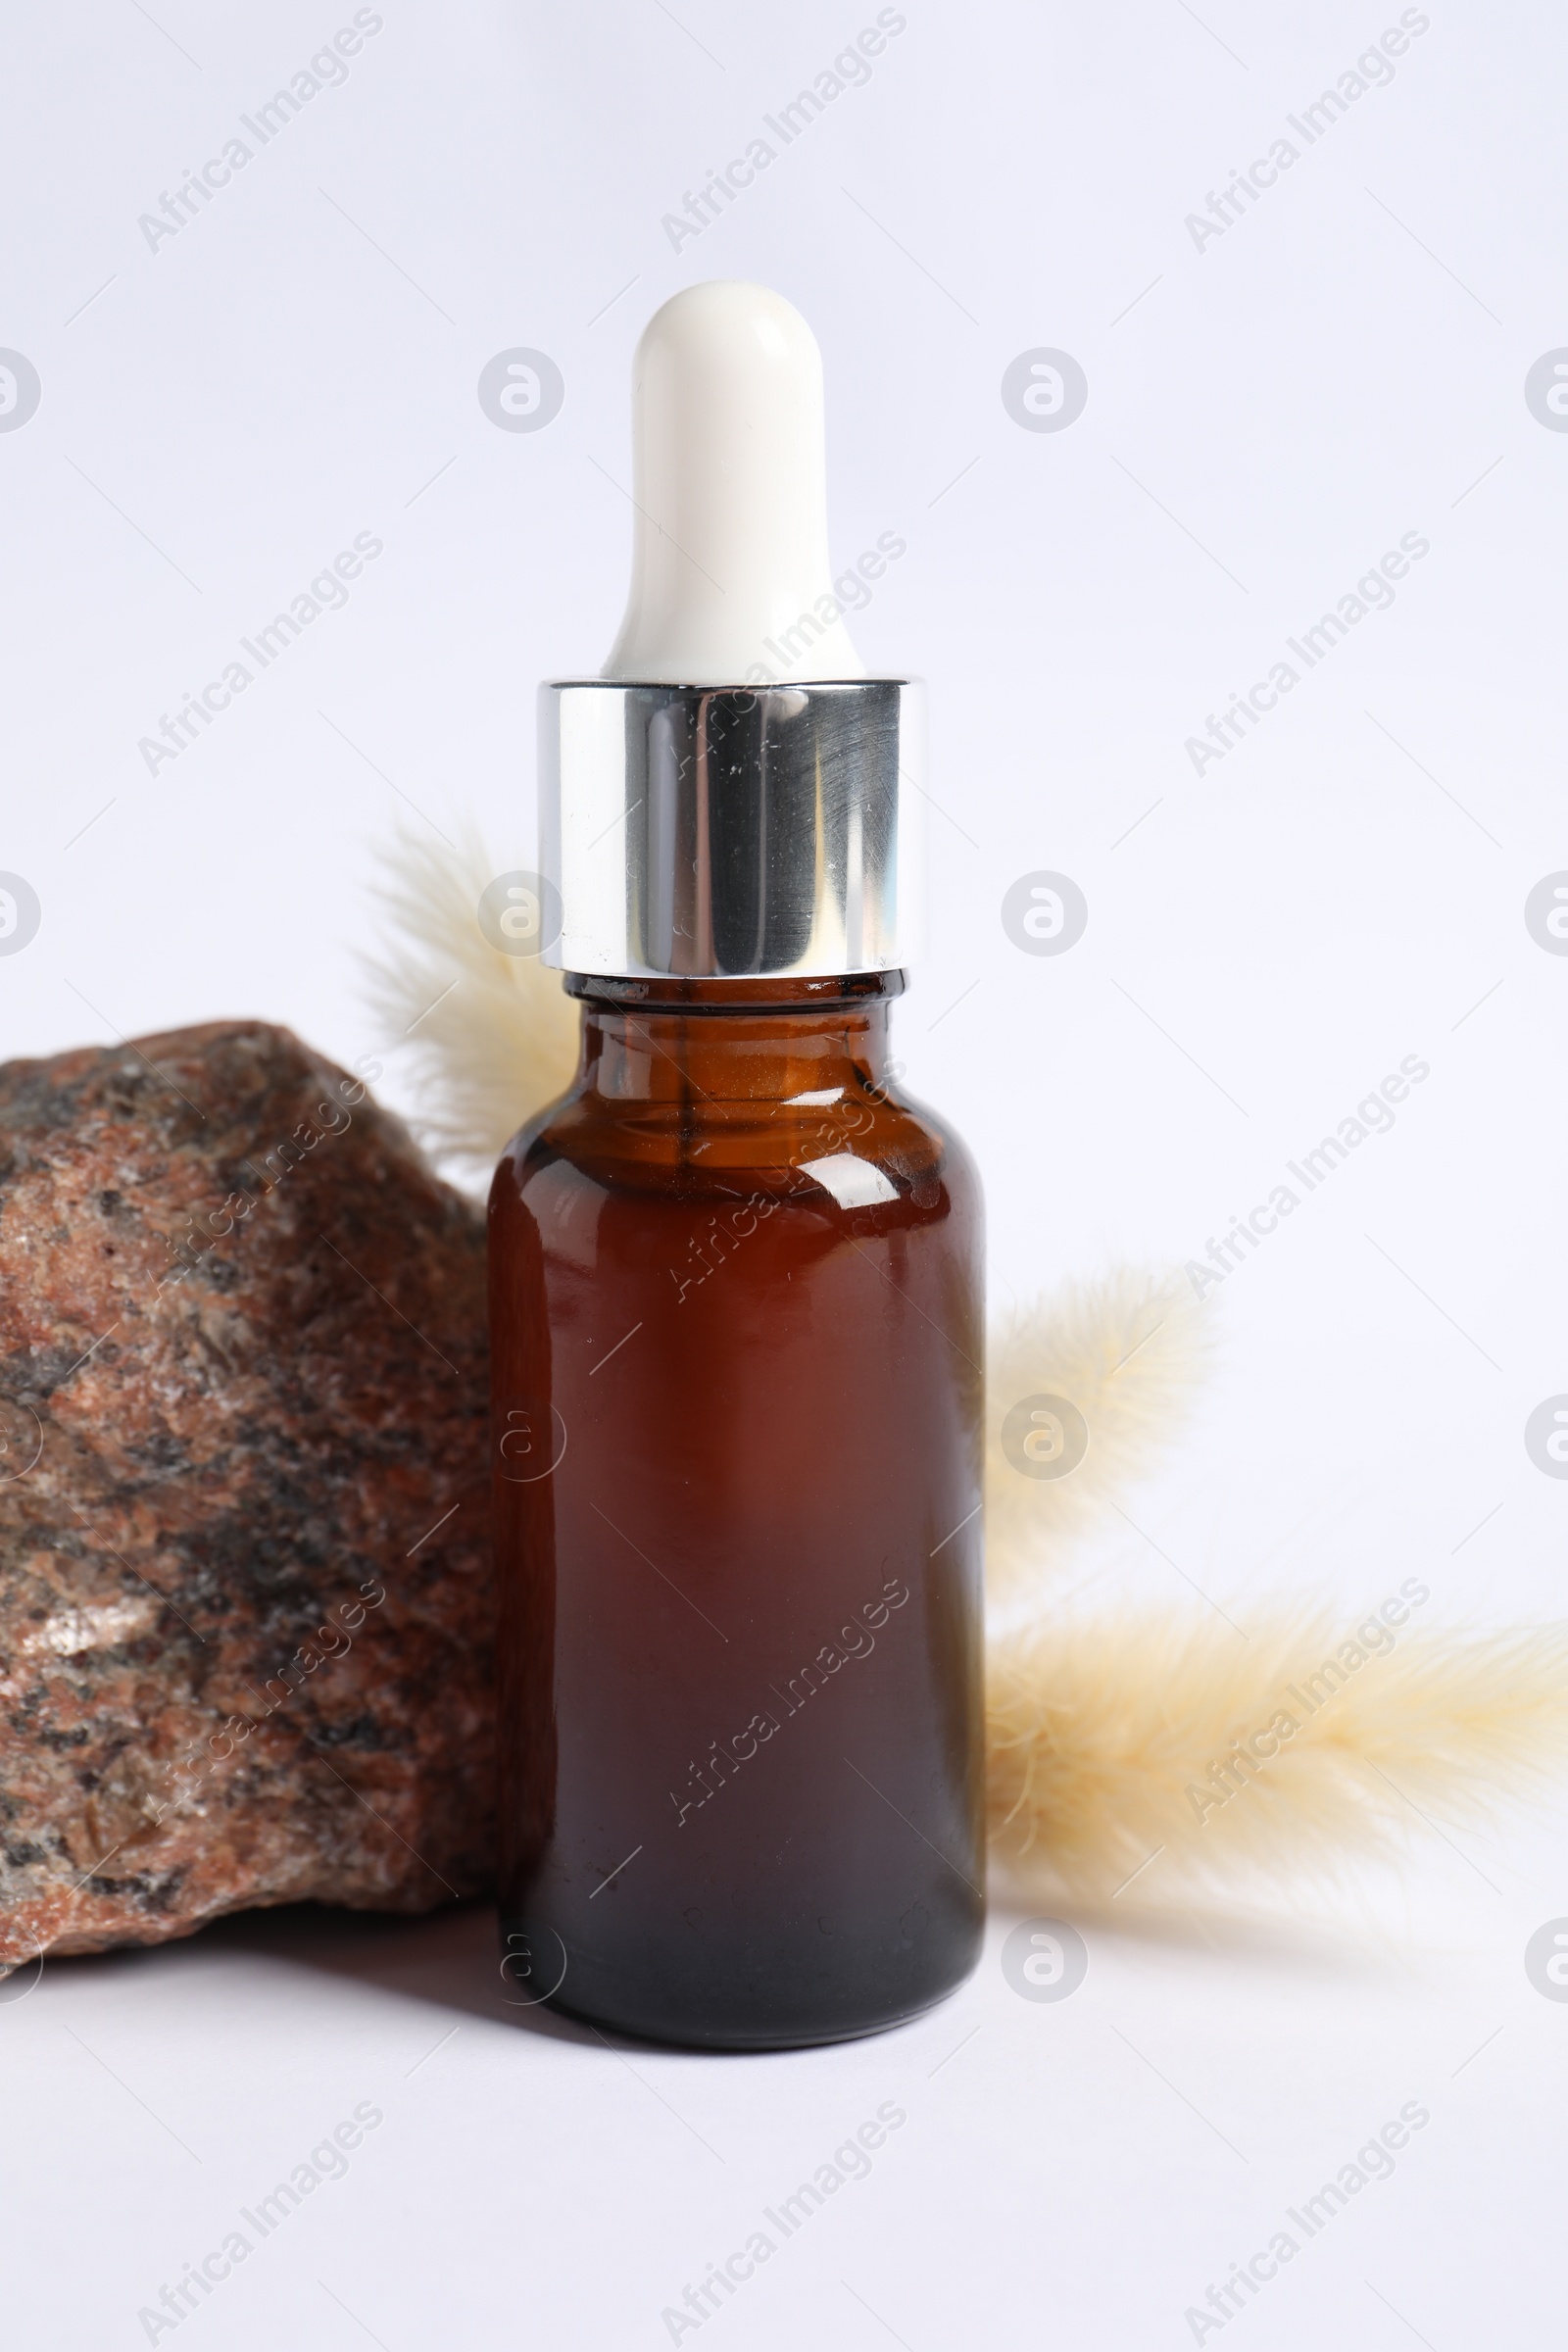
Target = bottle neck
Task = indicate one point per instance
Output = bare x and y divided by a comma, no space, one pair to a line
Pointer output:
728,1041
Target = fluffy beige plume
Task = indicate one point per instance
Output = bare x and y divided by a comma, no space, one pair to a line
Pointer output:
495,1036
1130,1353
1113,1744
1099,1729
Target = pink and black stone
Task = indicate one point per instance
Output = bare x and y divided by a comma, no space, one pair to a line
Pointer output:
245,1637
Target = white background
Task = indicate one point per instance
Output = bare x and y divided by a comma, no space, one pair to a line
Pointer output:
1265,417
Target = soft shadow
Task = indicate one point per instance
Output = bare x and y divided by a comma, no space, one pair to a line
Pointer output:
450,1958
1318,1941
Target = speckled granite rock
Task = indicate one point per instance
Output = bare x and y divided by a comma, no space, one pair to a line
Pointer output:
244,1583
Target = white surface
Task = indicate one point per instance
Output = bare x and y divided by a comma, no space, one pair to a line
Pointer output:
1077,2173
1265,417
731,580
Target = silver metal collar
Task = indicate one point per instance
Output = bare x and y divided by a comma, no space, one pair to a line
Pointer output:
708,832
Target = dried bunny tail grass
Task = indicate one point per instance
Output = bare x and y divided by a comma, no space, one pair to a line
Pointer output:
1130,1350
1113,1745
495,1036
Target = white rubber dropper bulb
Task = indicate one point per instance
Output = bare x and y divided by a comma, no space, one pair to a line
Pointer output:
732,577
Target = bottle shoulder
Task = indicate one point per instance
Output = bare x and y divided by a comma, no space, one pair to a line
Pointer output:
868,1148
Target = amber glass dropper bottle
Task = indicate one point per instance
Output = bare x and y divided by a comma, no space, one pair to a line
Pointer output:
735,1291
